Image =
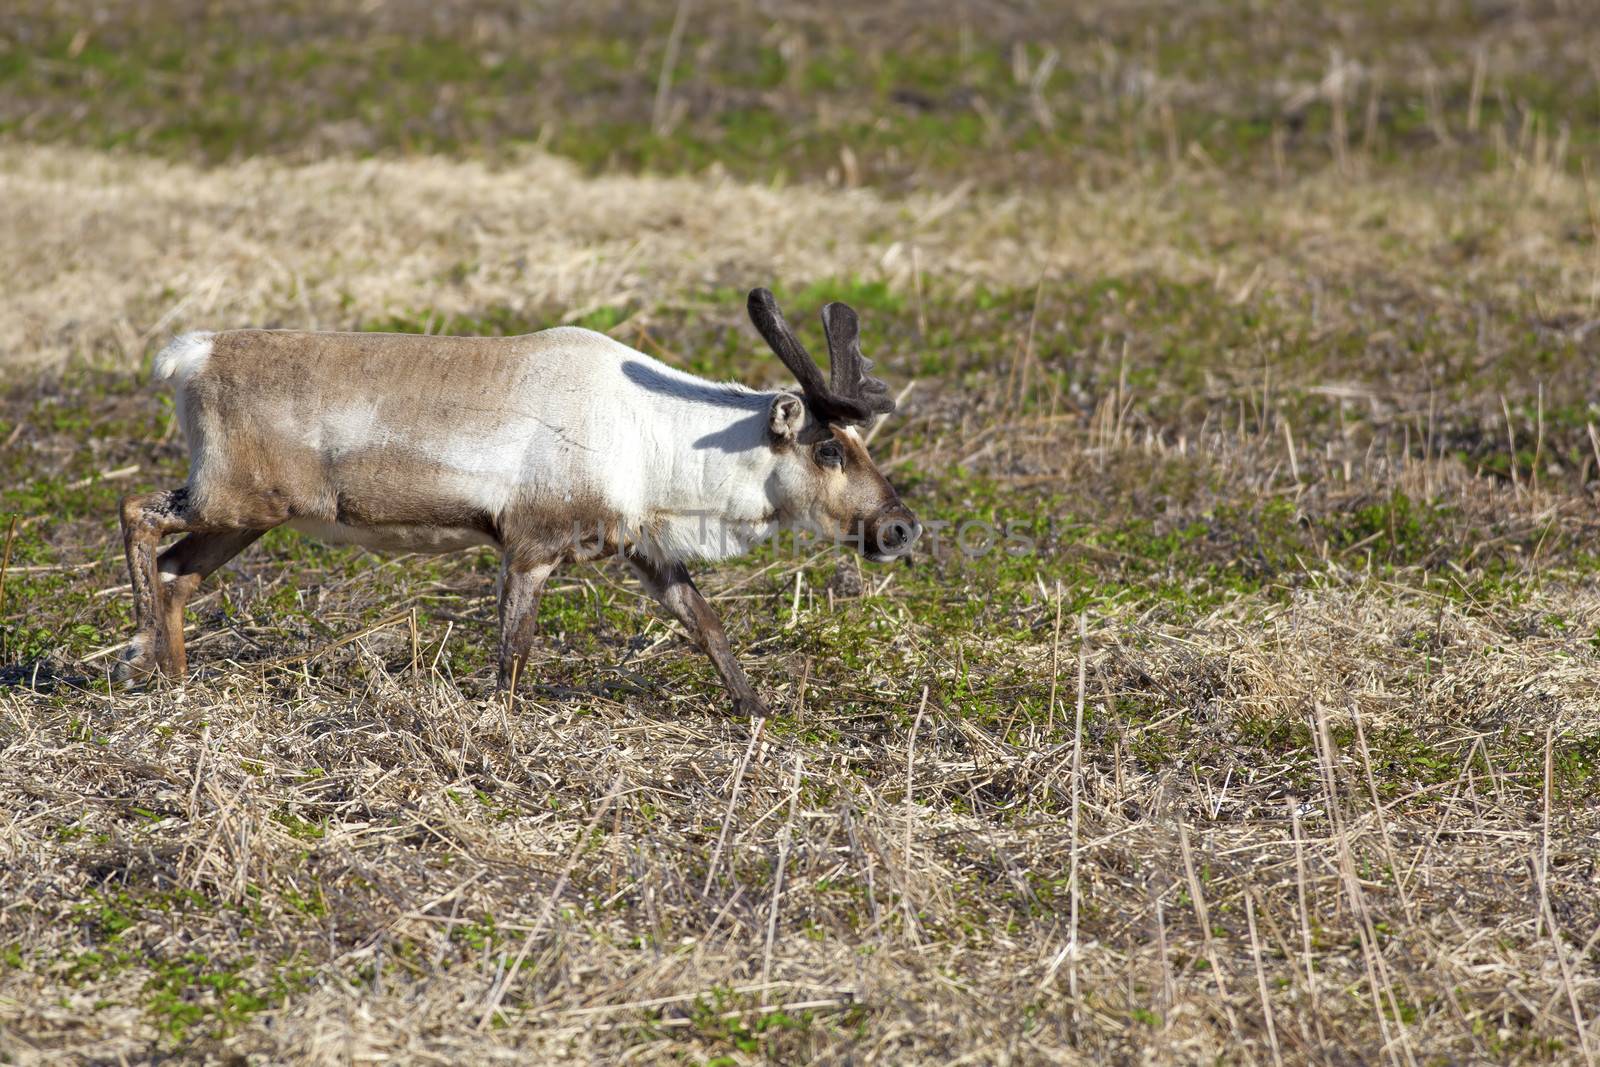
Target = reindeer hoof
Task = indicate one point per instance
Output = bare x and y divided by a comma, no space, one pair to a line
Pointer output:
137,661
750,708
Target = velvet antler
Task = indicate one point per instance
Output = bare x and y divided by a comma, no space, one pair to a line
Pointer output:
851,396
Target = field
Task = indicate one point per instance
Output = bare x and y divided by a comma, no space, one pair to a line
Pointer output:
1271,332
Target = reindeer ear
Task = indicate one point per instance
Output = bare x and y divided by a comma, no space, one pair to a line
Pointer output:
787,416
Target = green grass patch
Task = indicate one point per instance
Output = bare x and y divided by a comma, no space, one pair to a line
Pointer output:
773,96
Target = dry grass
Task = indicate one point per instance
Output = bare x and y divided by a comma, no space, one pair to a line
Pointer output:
137,249
395,858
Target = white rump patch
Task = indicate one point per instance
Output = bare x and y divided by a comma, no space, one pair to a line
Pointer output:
185,355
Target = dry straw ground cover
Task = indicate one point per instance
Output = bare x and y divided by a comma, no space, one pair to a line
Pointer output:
1279,744
383,866
336,244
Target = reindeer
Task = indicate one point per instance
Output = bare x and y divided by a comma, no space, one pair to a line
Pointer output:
553,447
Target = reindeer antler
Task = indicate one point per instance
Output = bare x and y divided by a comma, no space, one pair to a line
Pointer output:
847,367
851,395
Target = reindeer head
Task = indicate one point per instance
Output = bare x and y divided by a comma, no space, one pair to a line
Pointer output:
825,477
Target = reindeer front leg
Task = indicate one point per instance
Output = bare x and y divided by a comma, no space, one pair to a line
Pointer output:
521,584
671,584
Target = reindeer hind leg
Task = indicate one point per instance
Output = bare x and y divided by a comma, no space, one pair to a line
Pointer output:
145,519
182,568
161,586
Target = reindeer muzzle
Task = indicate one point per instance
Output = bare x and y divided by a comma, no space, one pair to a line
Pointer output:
890,533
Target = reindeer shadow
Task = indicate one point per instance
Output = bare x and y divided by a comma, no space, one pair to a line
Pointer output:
734,438
43,676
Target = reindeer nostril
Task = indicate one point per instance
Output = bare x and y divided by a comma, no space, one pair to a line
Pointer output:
896,535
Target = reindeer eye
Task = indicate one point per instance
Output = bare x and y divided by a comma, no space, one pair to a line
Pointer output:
829,454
